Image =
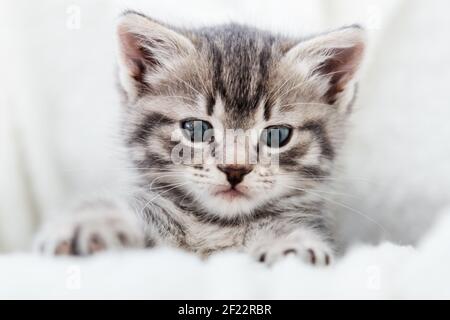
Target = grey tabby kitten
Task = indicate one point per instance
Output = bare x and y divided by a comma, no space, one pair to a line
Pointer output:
197,189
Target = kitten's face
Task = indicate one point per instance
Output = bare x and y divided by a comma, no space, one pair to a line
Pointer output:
227,120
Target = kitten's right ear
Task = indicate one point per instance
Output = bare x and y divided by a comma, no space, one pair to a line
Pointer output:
145,48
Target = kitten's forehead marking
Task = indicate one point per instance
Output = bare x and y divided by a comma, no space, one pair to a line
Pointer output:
229,122
241,60
219,108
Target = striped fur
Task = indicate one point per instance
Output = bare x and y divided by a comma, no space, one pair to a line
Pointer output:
234,77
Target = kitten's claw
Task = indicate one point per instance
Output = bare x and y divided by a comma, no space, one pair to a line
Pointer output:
313,252
89,231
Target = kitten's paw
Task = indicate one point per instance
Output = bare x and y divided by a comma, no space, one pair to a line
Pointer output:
89,230
312,251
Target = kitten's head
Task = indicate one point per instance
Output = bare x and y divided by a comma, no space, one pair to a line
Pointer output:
229,119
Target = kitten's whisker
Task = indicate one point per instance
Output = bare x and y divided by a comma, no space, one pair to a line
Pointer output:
157,171
159,195
304,104
290,90
325,192
165,191
182,199
343,205
178,98
187,84
161,177
125,168
318,178
336,72
165,171
197,70
324,178
284,84
164,187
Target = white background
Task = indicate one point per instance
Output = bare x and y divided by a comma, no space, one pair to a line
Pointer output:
59,107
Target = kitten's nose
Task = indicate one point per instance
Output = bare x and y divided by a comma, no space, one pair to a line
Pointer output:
235,173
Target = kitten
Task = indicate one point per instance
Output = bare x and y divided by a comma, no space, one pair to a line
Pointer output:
202,188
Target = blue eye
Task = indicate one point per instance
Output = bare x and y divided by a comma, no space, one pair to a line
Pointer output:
276,136
197,130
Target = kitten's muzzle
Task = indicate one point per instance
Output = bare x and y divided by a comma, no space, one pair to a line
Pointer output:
235,173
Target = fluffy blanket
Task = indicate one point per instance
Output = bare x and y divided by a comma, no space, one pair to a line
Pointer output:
58,107
386,271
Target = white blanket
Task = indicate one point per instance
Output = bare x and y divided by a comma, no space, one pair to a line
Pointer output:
386,271
58,111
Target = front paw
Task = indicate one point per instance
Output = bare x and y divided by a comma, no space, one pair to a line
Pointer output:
311,251
88,231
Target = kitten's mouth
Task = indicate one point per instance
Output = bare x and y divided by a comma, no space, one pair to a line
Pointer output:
230,193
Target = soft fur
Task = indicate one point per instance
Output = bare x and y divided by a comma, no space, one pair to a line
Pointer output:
235,77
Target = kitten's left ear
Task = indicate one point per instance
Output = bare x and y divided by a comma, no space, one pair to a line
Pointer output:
331,60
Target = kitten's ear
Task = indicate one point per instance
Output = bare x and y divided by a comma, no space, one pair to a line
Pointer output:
146,47
331,59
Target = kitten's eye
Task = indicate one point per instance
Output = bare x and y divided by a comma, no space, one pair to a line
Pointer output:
197,130
276,136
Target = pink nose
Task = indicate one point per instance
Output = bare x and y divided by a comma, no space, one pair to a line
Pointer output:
235,173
